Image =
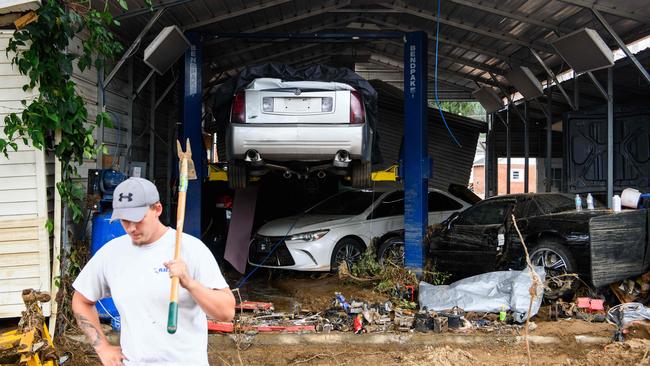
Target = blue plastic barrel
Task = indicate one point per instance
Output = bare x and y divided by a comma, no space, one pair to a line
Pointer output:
103,232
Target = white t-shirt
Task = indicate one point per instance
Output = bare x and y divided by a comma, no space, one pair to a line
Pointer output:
139,283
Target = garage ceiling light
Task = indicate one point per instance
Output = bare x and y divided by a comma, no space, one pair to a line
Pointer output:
584,50
168,46
489,99
525,82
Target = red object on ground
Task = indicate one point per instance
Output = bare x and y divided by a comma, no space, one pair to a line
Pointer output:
358,324
226,327
583,302
597,305
411,290
254,305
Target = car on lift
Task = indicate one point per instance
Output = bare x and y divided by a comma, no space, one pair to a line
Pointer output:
339,228
299,128
597,245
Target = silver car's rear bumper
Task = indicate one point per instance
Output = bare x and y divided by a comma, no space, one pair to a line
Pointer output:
298,141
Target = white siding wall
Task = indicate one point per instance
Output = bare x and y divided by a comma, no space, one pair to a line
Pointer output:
25,190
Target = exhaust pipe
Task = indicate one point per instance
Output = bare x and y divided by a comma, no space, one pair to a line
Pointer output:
286,174
254,157
342,159
321,174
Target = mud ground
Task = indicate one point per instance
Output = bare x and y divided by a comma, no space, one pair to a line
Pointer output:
314,292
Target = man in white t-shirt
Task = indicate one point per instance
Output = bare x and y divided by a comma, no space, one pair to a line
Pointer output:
136,270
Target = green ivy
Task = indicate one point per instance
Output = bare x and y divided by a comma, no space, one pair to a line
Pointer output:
40,50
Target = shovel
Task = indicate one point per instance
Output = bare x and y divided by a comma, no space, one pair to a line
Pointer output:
186,172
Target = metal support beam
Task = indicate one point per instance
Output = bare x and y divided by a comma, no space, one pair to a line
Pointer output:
192,98
417,163
618,10
101,107
486,161
143,84
129,52
470,46
152,131
552,76
610,136
598,86
508,152
549,141
270,24
164,94
234,14
126,162
526,149
147,9
468,27
621,44
522,18
576,90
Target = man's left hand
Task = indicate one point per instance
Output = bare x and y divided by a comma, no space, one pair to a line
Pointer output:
178,268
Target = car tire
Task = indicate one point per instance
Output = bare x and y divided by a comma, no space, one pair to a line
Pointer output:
237,175
346,247
391,251
551,254
360,174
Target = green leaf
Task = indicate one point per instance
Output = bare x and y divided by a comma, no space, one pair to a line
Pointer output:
123,4
49,225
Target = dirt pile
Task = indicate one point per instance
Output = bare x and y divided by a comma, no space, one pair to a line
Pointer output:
632,352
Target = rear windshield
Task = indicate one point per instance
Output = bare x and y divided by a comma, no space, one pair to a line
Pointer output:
345,203
553,203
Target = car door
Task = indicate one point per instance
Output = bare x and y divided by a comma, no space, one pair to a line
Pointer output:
387,216
468,245
441,207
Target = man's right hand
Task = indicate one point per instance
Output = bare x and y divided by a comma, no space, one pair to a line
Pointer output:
110,355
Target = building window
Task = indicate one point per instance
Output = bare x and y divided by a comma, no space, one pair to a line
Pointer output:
517,175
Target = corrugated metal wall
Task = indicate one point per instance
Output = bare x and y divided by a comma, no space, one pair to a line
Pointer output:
451,164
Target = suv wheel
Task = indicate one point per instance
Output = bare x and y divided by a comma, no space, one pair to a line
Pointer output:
559,266
391,252
360,174
237,176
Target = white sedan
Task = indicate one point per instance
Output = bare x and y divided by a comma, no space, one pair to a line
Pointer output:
338,229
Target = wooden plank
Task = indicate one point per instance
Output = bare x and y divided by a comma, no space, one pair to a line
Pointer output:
19,195
18,208
18,233
11,311
19,246
26,182
17,272
18,259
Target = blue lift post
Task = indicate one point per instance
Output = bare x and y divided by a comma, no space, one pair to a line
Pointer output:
417,164
192,98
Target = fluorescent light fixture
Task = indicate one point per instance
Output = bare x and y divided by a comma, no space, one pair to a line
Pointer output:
584,50
525,82
168,46
489,99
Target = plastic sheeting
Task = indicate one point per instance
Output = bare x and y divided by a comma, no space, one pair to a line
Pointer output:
623,314
489,292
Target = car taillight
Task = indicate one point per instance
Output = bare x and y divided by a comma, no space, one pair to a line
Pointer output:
238,111
357,114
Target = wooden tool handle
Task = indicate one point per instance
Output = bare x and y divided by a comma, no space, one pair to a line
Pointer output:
172,316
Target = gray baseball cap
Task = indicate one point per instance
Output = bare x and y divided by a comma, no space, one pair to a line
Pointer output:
132,198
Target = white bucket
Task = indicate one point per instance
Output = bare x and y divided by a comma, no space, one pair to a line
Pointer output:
630,197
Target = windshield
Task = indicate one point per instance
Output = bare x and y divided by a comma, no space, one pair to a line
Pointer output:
345,203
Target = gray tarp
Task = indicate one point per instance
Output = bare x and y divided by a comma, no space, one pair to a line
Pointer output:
489,292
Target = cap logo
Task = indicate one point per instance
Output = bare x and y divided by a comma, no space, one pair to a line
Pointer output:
129,197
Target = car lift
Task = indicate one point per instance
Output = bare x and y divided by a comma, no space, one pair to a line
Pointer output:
416,164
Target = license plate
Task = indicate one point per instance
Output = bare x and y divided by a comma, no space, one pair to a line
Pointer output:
297,105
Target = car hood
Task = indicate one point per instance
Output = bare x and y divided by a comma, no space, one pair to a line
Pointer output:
301,224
